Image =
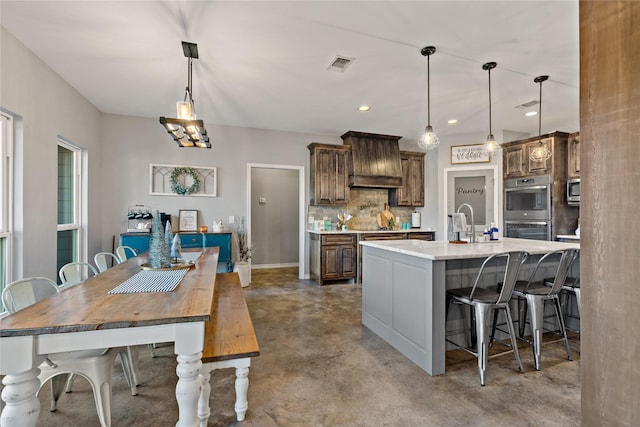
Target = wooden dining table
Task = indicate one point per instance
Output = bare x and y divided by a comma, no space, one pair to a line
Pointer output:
87,317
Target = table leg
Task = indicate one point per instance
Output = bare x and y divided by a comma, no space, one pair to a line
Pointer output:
242,385
188,389
19,393
204,411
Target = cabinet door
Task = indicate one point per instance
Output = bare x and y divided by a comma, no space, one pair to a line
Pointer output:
537,167
223,241
340,180
412,191
573,167
324,176
514,161
331,262
422,236
348,258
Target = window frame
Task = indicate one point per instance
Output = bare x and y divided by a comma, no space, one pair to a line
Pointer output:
76,224
6,197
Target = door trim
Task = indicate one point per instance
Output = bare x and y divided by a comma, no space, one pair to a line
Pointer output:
301,209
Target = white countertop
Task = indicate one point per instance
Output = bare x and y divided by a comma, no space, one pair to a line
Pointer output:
443,250
410,230
568,237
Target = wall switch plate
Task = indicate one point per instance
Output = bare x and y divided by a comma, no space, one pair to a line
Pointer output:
232,219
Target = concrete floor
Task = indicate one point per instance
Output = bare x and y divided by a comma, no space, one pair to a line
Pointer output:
320,367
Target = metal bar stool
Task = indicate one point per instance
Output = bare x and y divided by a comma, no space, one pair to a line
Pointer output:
486,301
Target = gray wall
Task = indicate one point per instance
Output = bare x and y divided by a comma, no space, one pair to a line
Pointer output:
274,224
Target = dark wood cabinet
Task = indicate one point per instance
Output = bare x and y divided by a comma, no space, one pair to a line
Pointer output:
333,257
329,174
411,193
573,156
516,161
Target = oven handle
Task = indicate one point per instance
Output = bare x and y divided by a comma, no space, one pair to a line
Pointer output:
528,222
533,187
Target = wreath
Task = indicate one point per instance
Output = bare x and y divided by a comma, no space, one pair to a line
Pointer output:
177,188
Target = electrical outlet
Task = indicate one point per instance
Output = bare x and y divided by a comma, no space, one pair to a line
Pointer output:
232,219
310,220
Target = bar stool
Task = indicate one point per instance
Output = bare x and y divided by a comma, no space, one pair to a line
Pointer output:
535,293
571,285
486,301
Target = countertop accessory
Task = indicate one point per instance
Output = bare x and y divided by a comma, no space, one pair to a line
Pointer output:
185,130
541,153
429,140
490,144
386,219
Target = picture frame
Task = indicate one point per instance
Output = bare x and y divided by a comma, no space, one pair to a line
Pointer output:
188,220
461,154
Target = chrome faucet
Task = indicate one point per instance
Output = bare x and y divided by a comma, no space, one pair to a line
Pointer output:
473,222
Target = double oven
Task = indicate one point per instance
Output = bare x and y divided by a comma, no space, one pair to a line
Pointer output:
527,207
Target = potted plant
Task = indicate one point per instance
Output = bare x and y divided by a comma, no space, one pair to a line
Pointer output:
243,265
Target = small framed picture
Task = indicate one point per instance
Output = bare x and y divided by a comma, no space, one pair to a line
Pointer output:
469,154
188,220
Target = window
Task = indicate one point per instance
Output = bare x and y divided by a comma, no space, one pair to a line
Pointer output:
6,145
68,203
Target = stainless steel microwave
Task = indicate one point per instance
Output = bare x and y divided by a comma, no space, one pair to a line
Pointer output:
573,192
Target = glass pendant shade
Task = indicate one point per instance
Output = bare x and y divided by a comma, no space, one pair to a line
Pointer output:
491,145
184,110
429,140
541,153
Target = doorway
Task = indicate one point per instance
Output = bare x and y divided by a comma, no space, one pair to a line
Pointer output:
275,215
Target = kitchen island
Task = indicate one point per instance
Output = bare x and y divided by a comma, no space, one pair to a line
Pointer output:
404,285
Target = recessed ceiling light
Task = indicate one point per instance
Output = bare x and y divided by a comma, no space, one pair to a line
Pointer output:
531,113
364,108
452,121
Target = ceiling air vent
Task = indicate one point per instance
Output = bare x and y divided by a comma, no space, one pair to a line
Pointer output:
340,63
527,104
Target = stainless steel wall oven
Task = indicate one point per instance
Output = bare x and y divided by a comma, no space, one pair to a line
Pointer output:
527,207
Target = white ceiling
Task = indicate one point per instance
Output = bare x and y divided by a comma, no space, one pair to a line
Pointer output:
264,64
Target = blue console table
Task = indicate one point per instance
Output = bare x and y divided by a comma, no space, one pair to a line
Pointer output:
140,243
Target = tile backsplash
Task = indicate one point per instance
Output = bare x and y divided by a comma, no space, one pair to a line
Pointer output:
364,204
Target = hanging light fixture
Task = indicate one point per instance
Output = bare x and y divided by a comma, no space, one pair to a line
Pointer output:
429,140
490,144
541,153
185,130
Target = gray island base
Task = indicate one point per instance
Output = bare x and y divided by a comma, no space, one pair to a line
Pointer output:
404,285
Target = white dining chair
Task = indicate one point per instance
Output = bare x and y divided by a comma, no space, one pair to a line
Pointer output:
75,272
125,252
94,365
105,260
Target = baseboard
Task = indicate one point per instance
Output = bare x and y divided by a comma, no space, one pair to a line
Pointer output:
281,265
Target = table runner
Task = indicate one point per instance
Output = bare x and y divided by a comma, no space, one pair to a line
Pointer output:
151,281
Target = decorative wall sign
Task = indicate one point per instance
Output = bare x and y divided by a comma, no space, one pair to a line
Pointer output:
176,180
188,220
469,154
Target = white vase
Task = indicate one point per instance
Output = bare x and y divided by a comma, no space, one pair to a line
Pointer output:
243,268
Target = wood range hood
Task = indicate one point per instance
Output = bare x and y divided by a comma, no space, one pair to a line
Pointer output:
375,160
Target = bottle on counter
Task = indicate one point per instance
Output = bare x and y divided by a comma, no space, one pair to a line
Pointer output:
494,231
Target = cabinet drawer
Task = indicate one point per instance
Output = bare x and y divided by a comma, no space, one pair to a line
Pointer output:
338,239
384,236
422,236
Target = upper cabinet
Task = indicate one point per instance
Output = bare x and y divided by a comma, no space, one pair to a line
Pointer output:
516,159
329,174
412,191
573,156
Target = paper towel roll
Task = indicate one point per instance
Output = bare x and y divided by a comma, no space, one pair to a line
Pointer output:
415,220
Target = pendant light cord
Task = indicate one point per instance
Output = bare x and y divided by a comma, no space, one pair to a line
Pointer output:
540,115
428,92
490,133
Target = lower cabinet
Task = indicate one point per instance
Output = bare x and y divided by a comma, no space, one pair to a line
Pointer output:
140,244
333,257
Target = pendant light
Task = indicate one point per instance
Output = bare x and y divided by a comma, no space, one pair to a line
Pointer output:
185,130
429,140
541,153
490,144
